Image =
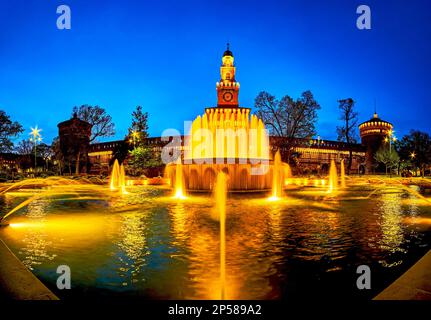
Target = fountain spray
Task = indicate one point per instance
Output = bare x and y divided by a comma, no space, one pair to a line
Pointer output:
220,197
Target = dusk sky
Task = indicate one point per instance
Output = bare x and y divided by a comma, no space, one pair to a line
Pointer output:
165,56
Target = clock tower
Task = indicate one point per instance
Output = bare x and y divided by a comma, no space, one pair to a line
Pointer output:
227,88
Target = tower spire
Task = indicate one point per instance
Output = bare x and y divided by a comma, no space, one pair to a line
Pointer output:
228,87
375,109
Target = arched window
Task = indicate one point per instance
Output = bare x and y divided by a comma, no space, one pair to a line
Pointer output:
228,76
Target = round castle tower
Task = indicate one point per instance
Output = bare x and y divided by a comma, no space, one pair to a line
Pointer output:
373,132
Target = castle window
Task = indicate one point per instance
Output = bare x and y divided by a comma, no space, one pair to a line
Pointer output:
228,76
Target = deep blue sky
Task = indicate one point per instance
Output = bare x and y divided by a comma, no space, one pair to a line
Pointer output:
165,56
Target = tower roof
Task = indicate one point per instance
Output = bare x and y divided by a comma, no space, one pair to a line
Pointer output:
74,119
228,52
375,120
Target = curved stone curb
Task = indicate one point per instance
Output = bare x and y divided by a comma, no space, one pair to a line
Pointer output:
17,282
414,284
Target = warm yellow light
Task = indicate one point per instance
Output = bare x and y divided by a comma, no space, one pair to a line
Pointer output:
413,155
179,195
273,198
35,132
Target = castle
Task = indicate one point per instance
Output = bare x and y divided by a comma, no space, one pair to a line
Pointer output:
308,156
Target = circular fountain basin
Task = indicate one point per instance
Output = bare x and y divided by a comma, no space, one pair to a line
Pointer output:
147,244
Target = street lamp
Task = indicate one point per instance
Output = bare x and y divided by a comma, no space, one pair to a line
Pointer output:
35,137
135,135
390,138
412,155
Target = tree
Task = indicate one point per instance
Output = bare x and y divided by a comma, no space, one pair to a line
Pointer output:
144,157
138,131
416,147
58,154
288,118
347,132
8,130
98,118
24,147
388,157
45,152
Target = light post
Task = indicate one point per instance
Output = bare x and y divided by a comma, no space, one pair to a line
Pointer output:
412,157
35,138
389,138
134,136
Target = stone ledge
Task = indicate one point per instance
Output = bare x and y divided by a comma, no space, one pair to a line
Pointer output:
17,282
414,284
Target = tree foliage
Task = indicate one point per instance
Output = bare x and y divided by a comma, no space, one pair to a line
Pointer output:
138,131
416,148
24,147
8,130
388,157
143,157
347,132
98,118
288,118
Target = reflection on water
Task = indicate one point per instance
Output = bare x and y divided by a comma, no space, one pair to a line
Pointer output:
146,243
36,243
133,248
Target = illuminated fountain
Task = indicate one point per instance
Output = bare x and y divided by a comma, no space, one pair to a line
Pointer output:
118,178
179,180
277,177
333,177
220,198
343,174
226,138
157,237
115,176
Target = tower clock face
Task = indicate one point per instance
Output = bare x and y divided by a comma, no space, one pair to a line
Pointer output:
227,96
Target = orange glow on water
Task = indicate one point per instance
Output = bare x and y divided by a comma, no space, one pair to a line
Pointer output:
417,220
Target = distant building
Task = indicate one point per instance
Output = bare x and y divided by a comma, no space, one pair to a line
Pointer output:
74,138
373,133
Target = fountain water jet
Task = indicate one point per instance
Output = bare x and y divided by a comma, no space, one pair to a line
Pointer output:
115,175
118,177
333,177
343,174
220,197
179,180
122,180
277,177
